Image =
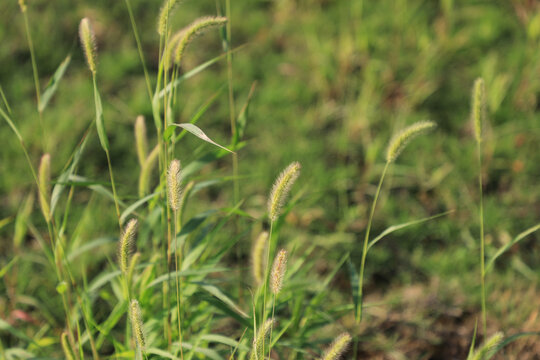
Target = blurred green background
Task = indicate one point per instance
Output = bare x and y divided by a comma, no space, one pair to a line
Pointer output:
334,79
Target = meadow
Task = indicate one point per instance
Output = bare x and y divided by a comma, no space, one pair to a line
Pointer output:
285,179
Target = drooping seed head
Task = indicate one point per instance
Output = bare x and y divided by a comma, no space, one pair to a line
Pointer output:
478,108
125,246
65,346
258,340
338,347
258,258
165,13
400,140
140,139
278,271
44,178
88,41
135,315
198,27
280,190
174,190
488,348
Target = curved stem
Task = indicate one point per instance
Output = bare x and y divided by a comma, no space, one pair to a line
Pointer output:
365,247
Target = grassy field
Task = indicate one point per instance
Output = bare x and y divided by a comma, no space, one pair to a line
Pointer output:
327,84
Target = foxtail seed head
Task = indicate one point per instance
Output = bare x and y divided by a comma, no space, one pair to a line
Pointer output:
280,190
258,258
137,324
44,178
126,245
88,41
338,347
196,28
400,140
488,348
146,171
140,139
174,190
258,341
278,272
165,13
478,108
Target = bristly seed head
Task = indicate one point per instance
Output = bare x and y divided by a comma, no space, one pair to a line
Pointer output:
174,190
198,27
125,246
141,141
22,5
258,258
88,41
258,341
278,271
488,349
478,108
44,178
165,13
281,189
137,324
400,140
338,347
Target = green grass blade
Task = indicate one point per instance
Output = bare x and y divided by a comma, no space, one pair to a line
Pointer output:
393,228
200,134
514,241
100,124
52,86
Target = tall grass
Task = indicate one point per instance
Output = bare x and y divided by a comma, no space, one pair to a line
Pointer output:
173,293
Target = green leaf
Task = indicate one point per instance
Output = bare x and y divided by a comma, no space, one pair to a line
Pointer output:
53,83
200,134
506,247
241,121
100,124
393,228
68,172
353,274
11,124
79,250
5,269
130,209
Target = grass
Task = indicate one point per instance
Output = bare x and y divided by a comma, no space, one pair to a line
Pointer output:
323,83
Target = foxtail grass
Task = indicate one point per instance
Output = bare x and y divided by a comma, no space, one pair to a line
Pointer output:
45,186
174,193
137,325
88,43
257,349
276,283
337,348
478,105
258,260
141,140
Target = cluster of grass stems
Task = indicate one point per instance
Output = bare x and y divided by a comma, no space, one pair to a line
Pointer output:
167,197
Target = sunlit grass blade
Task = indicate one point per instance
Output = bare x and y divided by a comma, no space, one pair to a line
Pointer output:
52,86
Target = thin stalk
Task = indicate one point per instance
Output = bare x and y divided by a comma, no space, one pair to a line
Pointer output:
365,247
358,313
35,74
272,327
177,259
111,175
139,48
114,189
482,240
266,276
